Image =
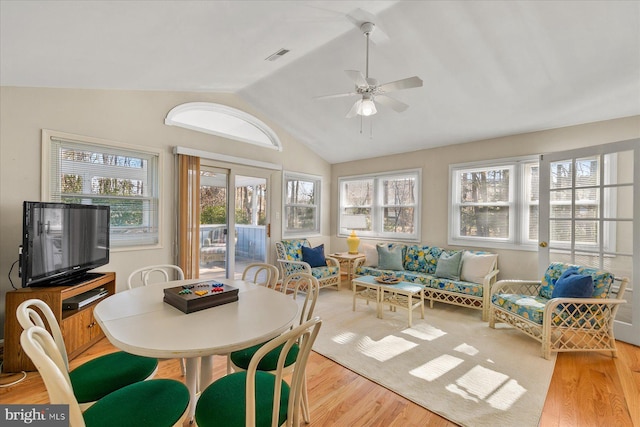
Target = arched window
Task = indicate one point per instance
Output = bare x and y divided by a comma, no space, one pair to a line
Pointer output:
224,121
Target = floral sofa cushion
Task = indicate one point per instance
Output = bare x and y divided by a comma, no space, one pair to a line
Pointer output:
293,248
602,280
423,259
531,307
428,280
457,286
323,272
526,306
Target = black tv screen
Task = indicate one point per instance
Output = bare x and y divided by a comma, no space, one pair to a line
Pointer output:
62,241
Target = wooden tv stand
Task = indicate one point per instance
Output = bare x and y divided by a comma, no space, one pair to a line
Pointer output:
79,328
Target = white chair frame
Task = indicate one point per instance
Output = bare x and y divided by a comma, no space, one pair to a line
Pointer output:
291,268
567,334
308,286
257,271
305,335
28,317
145,273
45,354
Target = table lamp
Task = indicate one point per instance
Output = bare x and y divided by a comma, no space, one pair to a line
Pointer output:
354,222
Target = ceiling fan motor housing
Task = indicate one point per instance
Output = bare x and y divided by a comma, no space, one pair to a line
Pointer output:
367,28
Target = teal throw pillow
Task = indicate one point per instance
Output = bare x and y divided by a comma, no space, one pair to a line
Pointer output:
449,265
314,256
573,285
389,257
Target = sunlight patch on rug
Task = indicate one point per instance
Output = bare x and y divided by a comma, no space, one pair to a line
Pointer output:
467,349
508,394
384,349
436,368
481,382
450,362
344,338
425,332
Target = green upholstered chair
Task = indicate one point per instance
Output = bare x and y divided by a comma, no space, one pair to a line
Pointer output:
98,377
257,398
240,360
153,403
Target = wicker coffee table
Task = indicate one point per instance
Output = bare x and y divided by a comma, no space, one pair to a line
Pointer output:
402,294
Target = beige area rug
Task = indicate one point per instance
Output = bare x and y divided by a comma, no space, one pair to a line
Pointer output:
451,362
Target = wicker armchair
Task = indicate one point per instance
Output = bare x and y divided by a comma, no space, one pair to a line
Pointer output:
560,324
291,263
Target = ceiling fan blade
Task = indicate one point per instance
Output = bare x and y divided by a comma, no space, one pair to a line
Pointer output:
392,103
407,83
354,110
336,95
357,77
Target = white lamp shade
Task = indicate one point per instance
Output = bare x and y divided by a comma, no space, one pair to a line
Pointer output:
367,107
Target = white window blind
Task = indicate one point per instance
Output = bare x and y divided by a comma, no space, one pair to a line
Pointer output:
124,179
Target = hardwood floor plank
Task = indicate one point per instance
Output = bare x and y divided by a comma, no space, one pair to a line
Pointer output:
587,389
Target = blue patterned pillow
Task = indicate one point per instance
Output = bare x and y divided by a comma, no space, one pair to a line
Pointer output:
314,256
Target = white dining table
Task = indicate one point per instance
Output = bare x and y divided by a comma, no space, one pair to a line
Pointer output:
138,321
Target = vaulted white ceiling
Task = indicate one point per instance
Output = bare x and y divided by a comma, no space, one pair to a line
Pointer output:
490,68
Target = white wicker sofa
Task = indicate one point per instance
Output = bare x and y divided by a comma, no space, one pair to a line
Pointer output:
420,265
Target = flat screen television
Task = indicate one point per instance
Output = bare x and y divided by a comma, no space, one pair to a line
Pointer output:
61,242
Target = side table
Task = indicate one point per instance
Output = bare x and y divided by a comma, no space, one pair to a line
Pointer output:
346,261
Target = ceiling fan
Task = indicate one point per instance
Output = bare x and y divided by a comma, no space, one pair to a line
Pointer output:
370,91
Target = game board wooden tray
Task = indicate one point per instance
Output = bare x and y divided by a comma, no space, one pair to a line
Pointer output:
200,296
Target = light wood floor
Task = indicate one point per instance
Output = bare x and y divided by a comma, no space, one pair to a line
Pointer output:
587,389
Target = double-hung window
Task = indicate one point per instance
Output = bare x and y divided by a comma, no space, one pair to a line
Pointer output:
494,204
388,202
90,171
301,205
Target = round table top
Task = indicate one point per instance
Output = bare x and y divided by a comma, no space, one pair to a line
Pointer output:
140,322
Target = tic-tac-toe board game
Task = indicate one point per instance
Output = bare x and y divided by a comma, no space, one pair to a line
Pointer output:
200,295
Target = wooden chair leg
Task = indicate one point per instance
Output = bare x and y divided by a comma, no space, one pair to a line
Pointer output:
229,370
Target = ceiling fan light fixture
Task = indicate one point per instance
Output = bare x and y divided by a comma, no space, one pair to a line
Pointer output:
366,107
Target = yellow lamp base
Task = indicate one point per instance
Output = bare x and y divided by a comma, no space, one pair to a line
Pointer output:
353,242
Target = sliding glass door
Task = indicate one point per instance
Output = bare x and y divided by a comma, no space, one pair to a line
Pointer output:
214,226
233,220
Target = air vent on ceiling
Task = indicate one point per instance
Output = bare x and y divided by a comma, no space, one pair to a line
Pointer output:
277,55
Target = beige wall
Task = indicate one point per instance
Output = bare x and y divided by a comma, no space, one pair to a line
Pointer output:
435,177
131,117
136,117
